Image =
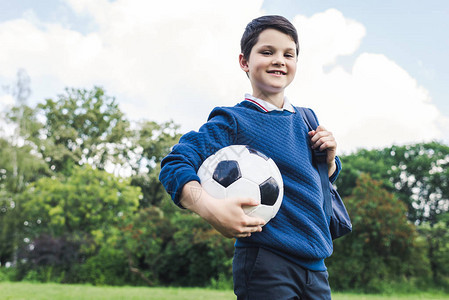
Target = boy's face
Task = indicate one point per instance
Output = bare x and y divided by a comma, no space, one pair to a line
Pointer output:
271,66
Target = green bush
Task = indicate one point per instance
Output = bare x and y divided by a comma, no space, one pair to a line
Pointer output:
108,267
6,274
223,282
381,249
195,254
45,274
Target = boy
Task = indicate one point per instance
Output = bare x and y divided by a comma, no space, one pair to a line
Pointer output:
286,259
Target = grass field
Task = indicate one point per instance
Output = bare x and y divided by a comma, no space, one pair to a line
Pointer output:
38,291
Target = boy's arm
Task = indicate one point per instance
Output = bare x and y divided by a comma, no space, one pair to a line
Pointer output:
178,175
180,166
225,215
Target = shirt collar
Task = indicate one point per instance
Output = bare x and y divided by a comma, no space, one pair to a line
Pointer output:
267,106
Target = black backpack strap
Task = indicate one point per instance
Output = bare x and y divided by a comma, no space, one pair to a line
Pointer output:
320,159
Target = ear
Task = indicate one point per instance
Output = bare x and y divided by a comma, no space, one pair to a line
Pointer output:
243,63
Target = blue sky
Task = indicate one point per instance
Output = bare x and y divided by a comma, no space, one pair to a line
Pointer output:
381,62
412,33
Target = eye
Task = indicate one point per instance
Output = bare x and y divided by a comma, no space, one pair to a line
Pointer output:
266,52
289,55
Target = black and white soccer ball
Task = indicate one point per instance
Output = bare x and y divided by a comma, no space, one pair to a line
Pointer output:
239,171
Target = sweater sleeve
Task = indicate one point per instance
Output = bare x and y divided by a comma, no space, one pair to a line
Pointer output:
180,166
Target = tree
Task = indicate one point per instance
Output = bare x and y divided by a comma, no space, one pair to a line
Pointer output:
153,142
380,246
143,238
18,168
78,213
81,127
83,206
437,240
418,174
18,165
196,254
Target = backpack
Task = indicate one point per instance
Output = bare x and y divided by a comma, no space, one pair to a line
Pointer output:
340,222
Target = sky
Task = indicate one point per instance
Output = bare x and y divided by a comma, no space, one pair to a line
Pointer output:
375,72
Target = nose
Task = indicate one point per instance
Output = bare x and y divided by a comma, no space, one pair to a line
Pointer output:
278,60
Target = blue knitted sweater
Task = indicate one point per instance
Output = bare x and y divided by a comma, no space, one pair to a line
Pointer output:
300,230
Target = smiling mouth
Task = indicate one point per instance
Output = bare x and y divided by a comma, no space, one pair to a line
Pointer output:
277,72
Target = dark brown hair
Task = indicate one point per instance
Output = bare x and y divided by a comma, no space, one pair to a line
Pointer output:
256,26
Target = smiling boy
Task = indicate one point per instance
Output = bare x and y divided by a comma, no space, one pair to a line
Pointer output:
285,260
271,65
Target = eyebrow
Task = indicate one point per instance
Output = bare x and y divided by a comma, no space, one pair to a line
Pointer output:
272,47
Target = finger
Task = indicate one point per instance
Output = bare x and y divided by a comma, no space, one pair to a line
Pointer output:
320,135
249,231
255,229
253,222
317,136
248,201
328,145
320,128
242,235
318,142
329,140
325,143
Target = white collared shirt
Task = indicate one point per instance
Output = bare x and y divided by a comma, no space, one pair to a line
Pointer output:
267,106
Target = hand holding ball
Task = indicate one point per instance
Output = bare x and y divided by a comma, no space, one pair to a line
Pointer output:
239,171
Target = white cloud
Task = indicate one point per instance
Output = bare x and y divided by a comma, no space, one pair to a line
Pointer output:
375,104
178,59
6,101
162,57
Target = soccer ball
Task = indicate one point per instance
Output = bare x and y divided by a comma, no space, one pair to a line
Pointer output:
239,171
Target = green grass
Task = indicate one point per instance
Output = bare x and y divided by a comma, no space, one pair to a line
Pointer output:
38,291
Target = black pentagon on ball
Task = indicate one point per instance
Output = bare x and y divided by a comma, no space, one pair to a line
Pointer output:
227,172
269,192
254,151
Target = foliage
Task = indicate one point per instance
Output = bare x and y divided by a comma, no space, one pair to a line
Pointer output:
418,174
143,238
18,168
153,193
379,249
7,274
196,254
437,238
178,249
154,142
87,202
48,251
65,218
80,127
108,267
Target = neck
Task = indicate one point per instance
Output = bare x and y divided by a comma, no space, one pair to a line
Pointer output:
275,99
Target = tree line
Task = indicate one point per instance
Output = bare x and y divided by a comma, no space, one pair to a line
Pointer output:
80,202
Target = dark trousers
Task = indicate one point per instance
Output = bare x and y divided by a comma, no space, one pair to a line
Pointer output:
261,274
